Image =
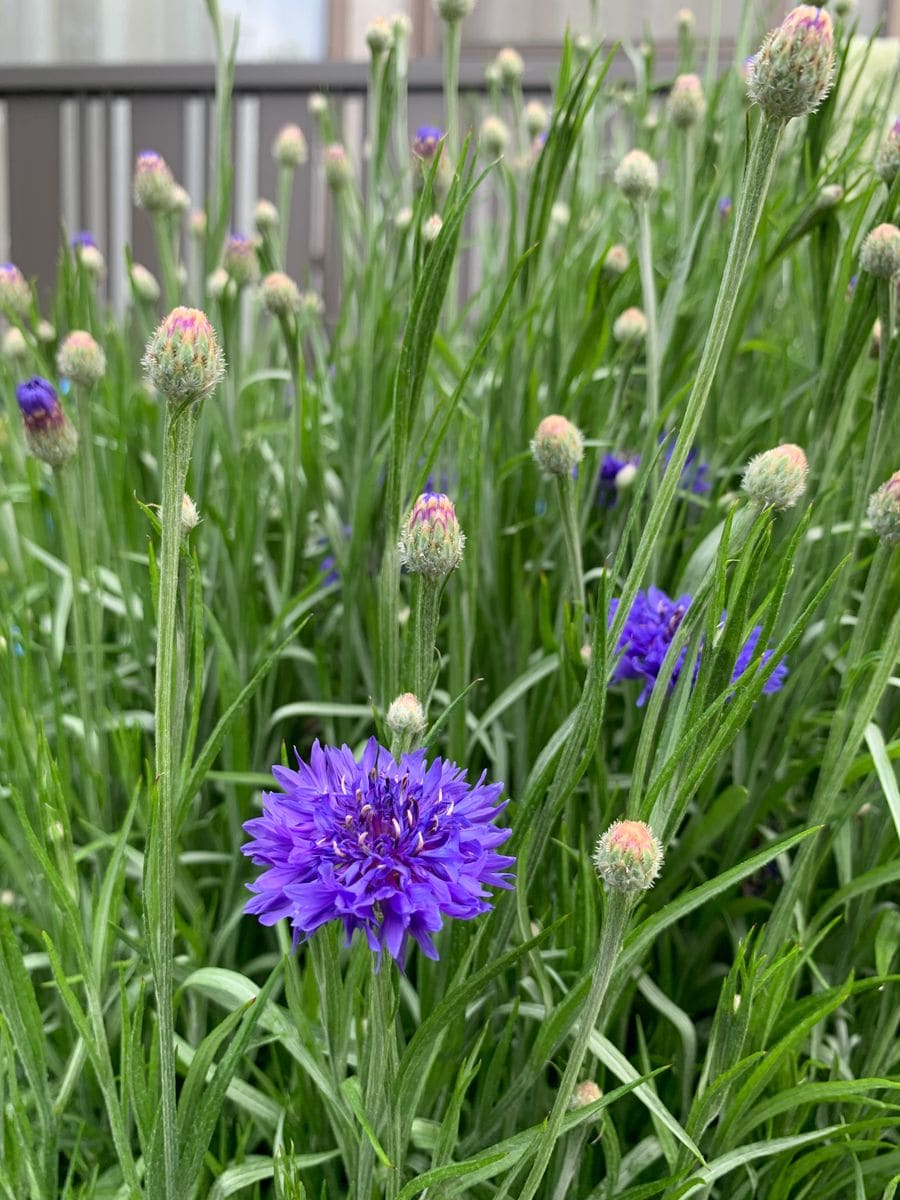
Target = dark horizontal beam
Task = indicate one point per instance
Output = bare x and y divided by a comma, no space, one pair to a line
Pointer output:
338,78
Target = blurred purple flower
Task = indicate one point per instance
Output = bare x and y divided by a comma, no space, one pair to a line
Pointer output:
388,848
694,474
426,141
649,631
83,238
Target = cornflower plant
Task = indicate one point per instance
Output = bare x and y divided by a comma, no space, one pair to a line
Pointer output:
448,739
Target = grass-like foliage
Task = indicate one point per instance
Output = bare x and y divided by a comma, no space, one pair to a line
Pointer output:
601,652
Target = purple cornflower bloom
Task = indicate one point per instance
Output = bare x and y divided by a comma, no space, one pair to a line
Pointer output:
649,631
83,238
694,474
426,141
388,848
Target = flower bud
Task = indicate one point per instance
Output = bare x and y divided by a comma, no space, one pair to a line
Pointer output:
405,717
15,348
311,304
403,219
558,446
560,214
153,182
337,167
432,542
686,104
887,163
183,360
630,327
427,142
880,254
45,332
289,147
49,434
777,478
875,340
81,359
793,71
401,26
219,284
844,8
685,22
453,10
510,66
15,293
265,216
431,229
537,119
317,104
625,476
379,37
617,261
637,176
92,260
180,201
884,510
280,295
828,197
585,1093
144,283
239,259
190,518
494,136
628,857
197,224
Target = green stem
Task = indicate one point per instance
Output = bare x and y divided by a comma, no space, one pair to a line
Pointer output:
423,621
617,912
648,291
686,216
565,486
452,42
163,236
176,457
378,1068
758,176
285,196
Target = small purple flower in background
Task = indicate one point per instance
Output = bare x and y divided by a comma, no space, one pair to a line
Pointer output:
384,847
724,208
617,471
649,631
851,286
83,238
426,141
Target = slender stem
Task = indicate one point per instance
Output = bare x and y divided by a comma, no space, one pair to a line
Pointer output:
760,168
176,456
565,486
452,42
423,636
163,235
617,913
648,291
285,196
378,1066
686,217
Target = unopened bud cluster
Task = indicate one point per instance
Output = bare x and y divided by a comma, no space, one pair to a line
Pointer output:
637,176
49,434
557,446
432,542
628,857
792,73
884,511
81,359
880,254
686,104
183,360
777,478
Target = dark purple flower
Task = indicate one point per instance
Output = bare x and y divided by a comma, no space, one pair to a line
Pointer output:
693,475
49,434
38,400
426,141
649,631
724,208
388,848
83,238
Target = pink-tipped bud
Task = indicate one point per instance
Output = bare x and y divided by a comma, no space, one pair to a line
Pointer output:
15,293
630,327
337,167
144,283
637,176
265,216
628,857
239,259
431,229
686,104
379,37
432,542
685,21
405,717
13,345
190,518
558,446
884,510
289,147
153,182
793,71
510,66
880,254
311,304
617,261
81,359
537,119
197,224
585,1093
887,163
494,136
777,478
280,295
183,360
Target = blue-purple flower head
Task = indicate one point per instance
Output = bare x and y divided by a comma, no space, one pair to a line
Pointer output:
49,434
83,238
384,847
651,626
617,471
38,400
426,141
724,207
